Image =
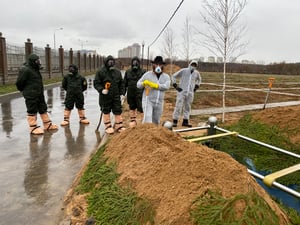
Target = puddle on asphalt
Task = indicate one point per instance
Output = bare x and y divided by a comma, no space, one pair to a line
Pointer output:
36,171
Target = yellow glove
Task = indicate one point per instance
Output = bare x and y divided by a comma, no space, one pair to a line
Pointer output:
152,85
146,82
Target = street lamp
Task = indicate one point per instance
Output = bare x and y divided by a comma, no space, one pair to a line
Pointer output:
143,44
81,41
54,36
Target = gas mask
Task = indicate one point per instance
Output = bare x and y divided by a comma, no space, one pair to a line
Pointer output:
38,63
157,69
192,68
135,65
110,64
73,69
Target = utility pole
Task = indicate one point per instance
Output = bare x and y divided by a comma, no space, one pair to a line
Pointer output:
54,37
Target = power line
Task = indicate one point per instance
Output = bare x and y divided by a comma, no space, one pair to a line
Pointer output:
167,23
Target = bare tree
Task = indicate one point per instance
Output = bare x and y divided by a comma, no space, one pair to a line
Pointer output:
223,32
188,40
169,46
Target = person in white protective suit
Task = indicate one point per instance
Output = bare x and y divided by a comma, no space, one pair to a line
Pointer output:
189,81
154,83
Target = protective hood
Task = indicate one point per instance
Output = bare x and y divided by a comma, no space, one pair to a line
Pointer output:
194,62
75,69
31,60
135,63
107,59
135,58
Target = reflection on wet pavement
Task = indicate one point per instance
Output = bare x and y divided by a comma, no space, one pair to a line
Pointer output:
36,171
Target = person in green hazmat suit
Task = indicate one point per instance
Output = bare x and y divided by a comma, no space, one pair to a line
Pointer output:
110,86
74,84
134,94
30,83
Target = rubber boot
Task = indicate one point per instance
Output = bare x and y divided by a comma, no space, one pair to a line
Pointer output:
119,127
175,123
66,121
132,114
82,118
48,125
33,127
140,117
107,123
185,123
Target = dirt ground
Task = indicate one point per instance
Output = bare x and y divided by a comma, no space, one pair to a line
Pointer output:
172,172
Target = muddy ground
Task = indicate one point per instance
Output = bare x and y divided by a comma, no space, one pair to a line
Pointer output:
194,166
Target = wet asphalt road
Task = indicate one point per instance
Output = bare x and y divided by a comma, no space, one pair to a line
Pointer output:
36,171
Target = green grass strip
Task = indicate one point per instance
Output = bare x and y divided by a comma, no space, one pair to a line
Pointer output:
108,202
242,209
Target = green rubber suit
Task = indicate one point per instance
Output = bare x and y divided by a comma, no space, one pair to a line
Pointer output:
30,83
74,84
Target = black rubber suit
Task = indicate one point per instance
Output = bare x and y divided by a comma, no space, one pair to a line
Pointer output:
30,83
134,94
109,102
75,85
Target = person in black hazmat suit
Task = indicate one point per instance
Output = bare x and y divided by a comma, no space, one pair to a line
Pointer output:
134,94
74,84
30,83
110,86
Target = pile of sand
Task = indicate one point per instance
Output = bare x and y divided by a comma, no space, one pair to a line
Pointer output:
172,172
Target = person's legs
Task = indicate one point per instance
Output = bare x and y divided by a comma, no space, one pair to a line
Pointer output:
42,109
132,115
48,125
157,112
178,109
66,121
107,123
79,103
187,110
148,111
32,109
32,122
82,118
119,127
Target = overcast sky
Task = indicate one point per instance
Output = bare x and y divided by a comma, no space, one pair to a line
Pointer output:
273,26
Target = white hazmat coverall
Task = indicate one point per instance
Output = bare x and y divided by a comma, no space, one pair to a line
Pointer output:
184,99
154,101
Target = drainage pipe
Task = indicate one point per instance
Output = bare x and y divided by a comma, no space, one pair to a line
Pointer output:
276,184
262,143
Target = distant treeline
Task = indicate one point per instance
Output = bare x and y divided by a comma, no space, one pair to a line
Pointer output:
274,68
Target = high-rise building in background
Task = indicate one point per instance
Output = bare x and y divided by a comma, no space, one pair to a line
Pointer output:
130,51
211,59
219,59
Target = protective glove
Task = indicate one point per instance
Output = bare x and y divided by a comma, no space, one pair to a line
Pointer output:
196,87
150,84
107,85
122,98
179,89
146,82
175,85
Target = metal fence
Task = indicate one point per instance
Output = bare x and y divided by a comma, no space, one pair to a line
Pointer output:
55,62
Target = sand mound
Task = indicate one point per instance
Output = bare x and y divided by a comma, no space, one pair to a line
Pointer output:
172,172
